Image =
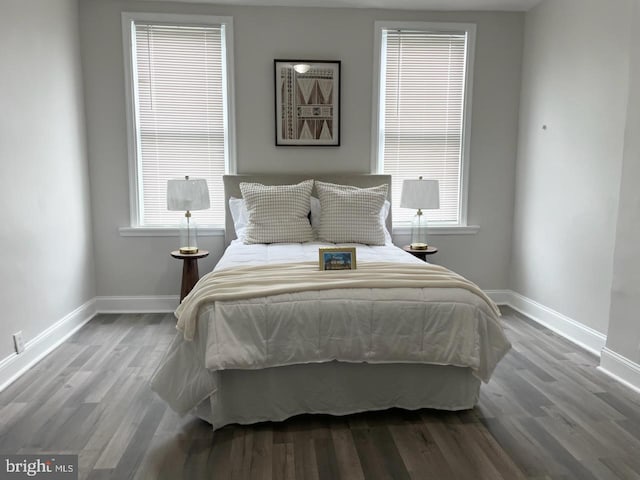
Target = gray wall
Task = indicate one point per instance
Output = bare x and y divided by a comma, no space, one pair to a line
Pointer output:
45,243
141,266
575,81
624,329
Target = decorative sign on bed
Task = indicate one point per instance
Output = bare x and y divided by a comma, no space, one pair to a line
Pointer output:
307,102
341,258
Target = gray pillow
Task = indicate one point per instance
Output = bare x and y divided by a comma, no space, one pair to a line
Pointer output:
277,213
350,214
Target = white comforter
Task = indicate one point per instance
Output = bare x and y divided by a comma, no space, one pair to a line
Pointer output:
444,326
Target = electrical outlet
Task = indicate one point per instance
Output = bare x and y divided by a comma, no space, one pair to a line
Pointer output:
18,342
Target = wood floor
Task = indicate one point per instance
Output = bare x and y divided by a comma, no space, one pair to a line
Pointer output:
546,414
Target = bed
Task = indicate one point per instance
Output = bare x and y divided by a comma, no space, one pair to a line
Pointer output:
335,351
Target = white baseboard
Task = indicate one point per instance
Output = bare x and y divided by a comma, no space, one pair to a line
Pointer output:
137,304
15,365
620,368
613,364
500,297
572,330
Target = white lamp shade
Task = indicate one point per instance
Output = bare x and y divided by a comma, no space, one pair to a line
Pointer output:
421,194
187,194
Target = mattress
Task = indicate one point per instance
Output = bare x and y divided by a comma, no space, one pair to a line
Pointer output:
239,254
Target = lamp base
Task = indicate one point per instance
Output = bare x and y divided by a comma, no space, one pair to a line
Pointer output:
419,246
189,250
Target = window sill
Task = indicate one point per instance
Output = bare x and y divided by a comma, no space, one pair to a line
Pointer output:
441,230
219,231
167,231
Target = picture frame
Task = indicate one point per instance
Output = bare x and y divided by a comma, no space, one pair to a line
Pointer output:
307,102
338,258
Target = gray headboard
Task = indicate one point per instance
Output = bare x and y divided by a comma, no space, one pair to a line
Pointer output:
232,188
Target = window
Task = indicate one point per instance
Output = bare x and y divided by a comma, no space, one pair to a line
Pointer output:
180,104
421,127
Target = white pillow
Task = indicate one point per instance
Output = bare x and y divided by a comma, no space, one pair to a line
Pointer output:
314,215
350,214
277,213
384,213
240,216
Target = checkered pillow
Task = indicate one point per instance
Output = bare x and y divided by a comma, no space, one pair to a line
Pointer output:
350,214
278,214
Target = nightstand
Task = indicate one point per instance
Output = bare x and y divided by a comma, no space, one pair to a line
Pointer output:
421,254
190,275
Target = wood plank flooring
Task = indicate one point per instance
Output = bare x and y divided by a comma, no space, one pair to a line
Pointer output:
546,414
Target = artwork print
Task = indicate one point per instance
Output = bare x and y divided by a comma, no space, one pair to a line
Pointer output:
339,258
307,102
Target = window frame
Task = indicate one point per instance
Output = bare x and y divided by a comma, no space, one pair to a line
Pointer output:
377,138
135,227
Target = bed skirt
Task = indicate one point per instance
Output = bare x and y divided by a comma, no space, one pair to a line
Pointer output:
274,394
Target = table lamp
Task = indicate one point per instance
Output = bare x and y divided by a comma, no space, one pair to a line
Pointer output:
420,194
188,194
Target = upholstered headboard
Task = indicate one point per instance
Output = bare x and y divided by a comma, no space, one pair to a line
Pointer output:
232,188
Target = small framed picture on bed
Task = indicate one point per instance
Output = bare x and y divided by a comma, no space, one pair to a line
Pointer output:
341,258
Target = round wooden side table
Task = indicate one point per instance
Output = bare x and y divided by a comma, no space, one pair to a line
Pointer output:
190,275
421,254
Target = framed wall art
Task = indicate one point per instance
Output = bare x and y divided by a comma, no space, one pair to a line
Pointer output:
307,102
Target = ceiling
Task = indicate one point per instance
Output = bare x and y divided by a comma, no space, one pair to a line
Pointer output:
495,5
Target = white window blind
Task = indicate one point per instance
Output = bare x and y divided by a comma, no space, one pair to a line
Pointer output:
422,98
180,120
